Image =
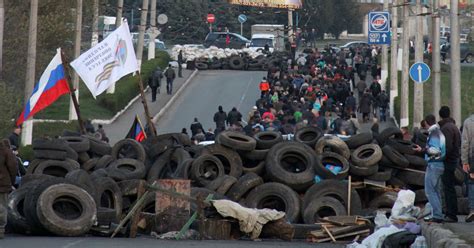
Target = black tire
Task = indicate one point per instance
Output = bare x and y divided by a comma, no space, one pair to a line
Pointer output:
385,200
227,183
32,166
244,184
206,168
359,139
405,147
363,171
291,163
201,66
129,148
420,196
396,182
98,147
384,174
108,195
323,207
255,155
31,201
215,184
333,188
387,133
30,178
412,178
104,162
71,154
78,144
90,165
16,210
275,196
169,165
105,216
129,187
195,151
267,139
126,169
50,154
57,168
82,179
395,157
308,135
236,140
257,167
229,158
83,157
333,144
236,63
366,155
49,144
334,159
184,171
66,210
99,173
416,162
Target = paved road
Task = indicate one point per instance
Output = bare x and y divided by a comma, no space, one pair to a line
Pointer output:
207,91
93,242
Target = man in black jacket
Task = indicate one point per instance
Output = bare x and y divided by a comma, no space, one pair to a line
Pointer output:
219,118
195,126
233,117
154,81
453,148
8,171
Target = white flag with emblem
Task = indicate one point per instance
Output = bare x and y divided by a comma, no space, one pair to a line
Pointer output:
105,63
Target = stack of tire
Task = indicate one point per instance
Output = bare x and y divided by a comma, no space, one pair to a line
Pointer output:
241,62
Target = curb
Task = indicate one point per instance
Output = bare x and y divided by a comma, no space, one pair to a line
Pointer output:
160,114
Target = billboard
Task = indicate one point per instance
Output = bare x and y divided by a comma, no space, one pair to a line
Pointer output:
287,4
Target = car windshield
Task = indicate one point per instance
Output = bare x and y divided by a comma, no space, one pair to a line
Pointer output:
261,42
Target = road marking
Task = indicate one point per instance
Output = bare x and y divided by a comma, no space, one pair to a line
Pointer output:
245,93
73,243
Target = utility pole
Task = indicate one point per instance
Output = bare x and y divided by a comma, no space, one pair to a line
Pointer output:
77,52
27,132
141,32
153,31
95,23
384,71
419,49
118,22
394,57
455,64
436,57
2,24
404,119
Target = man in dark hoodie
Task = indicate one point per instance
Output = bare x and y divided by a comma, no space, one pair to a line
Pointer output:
8,170
233,117
195,126
219,118
453,148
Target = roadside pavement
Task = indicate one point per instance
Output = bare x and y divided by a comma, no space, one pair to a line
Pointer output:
120,127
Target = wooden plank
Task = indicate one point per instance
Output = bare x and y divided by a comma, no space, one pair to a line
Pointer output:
349,194
367,231
329,233
171,212
136,216
342,220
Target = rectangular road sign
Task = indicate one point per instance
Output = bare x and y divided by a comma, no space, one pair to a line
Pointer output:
379,28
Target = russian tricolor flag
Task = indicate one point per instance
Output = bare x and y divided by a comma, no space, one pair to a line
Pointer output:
50,87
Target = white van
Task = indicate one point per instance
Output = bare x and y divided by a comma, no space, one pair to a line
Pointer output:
258,42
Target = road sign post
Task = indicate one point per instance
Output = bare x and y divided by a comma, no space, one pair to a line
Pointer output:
420,72
242,19
379,28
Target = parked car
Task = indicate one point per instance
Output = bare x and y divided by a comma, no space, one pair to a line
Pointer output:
467,52
353,44
159,45
218,39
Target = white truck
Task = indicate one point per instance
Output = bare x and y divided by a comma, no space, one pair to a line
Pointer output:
273,35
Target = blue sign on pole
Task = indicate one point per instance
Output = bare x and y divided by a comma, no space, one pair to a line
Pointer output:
379,28
420,72
242,18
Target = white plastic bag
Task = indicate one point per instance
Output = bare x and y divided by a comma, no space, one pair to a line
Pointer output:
404,206
381,220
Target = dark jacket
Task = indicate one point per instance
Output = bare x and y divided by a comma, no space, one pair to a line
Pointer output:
14,140
195,126
383,100
155,79
453,142
365,103
8,168
233,117
170,73
219,118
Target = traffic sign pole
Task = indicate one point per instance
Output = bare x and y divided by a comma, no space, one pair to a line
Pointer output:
241,29
404,120
418,109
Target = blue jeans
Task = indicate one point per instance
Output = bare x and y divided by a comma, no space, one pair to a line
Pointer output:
434,171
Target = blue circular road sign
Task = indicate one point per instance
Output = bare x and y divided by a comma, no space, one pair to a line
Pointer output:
420,72
242,18
379,22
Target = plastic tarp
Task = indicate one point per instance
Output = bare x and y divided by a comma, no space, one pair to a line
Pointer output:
251,221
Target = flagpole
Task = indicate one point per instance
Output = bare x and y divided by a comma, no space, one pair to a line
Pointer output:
72,92
145,105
